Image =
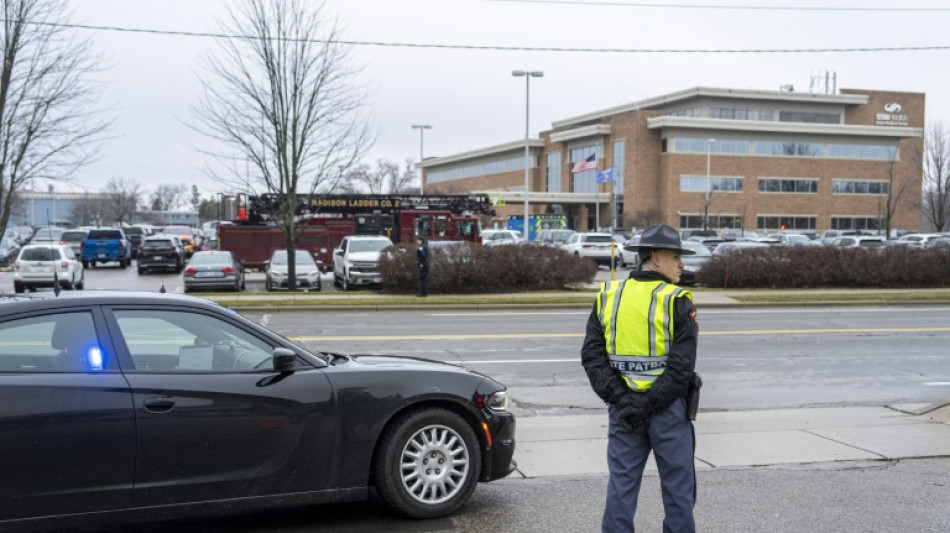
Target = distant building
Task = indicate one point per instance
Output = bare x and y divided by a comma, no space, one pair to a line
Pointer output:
168,218
776,159
34,208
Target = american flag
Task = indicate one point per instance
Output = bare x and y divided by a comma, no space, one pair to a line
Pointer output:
588,164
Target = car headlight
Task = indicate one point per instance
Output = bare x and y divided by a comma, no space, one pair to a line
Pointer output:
275,274
497,401
690,268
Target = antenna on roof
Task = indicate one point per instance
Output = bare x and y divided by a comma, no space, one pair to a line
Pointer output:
55,275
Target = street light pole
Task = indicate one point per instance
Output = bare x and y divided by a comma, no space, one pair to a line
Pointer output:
528,74
421,128
708,187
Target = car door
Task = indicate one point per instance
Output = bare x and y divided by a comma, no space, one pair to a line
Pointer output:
214,419
67,426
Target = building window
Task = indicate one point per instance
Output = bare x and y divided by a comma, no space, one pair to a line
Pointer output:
860,187
788,186
485,168
698,184
862,151
789,148
777,222
856,223
695,220
809,117
619,160
585,182
691,112
740,113
693,145
554,172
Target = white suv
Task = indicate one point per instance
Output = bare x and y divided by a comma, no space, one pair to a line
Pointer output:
36,264
595,246
355,262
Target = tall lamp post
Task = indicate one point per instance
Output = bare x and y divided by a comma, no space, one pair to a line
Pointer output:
708,185
528,74
421,128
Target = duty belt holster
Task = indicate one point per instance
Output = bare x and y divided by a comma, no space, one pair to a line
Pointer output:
692,395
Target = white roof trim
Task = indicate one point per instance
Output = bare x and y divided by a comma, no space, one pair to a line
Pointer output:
482,152
738,94
548,197
781,127
580,133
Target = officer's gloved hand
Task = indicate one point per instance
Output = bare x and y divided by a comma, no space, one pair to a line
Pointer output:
629,413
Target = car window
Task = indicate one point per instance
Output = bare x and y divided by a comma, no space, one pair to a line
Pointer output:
303,257
40,254
211,259
73,236
158,243
368,245
597,238
104,234
62,342
574,238
184,342
279,258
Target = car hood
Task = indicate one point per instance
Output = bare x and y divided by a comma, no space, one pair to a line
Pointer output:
398,362
363,256
301,269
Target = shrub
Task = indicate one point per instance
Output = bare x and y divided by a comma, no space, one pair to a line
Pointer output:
473,268
828,266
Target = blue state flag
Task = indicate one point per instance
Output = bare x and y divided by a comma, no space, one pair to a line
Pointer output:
605,176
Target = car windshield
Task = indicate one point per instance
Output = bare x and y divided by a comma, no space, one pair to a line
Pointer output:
561,236
301,257
596,238
176,230
74,236
132,230
368,245
698,249
40,254
105,234
48,234
7,243
158,243
211,258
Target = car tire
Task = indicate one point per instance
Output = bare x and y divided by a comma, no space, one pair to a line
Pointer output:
415,448
124,263
179,268
85,264
82,283
141,271
18,288
345,283
243,283
336,280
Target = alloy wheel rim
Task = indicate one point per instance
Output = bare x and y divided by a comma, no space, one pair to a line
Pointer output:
434,464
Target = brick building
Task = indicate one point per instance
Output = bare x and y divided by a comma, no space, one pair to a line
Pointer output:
768,159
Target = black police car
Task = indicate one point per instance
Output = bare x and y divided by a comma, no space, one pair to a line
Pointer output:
149,402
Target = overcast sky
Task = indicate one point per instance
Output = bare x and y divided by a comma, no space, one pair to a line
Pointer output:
469,96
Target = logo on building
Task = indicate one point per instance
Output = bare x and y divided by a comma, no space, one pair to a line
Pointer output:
892,115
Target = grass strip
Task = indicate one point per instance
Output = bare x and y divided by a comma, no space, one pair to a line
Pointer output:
819,297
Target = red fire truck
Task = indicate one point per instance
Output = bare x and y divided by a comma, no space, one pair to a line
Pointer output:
252,233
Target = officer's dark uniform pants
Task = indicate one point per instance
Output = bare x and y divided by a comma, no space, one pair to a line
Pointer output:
670,435
423,282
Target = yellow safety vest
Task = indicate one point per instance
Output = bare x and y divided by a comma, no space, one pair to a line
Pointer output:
637,317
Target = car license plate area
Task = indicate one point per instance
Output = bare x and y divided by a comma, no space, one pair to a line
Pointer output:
209,275
101,255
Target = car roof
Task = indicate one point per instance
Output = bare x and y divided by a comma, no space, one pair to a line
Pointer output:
50,245
48,301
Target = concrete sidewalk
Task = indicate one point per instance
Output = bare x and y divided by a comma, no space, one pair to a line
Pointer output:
562,445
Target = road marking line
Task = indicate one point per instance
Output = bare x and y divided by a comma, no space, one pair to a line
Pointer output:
463,336
937,383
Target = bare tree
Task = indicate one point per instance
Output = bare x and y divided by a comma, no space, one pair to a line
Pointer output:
281,99
87,211
47,127
122,201
385,178
168,197
936,176
900,175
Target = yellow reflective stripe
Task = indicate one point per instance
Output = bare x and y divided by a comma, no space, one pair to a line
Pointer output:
617,297
635,319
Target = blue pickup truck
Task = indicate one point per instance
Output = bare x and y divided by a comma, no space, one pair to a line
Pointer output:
106,244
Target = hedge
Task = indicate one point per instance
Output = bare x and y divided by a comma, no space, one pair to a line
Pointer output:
828,266
472,268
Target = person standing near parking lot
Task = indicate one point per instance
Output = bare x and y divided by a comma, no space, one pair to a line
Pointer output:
639,354
422,257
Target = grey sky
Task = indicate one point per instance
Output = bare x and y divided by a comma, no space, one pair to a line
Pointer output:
469,96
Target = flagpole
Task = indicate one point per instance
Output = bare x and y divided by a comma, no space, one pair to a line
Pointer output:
613,224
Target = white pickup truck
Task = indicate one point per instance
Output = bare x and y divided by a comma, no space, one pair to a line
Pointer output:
355,262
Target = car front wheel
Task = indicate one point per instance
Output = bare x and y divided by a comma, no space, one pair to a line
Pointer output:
428,463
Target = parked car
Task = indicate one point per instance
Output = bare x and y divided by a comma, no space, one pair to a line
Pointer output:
121,401
24,234
161,252
595,246
103,245
921,238
185,235
793,239
858,241
73,238
692,264
213,270
43,265
305,268
942,243
553,237
9,249
829,235
729,247
356,261
709,242
48,235
136,235
495,237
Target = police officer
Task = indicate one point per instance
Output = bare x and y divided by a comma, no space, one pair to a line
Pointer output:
422,257
639,354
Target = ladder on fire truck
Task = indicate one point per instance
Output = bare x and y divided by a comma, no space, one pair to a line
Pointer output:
262,208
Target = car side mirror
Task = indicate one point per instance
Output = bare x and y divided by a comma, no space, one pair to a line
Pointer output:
285,360
266,263
339,251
